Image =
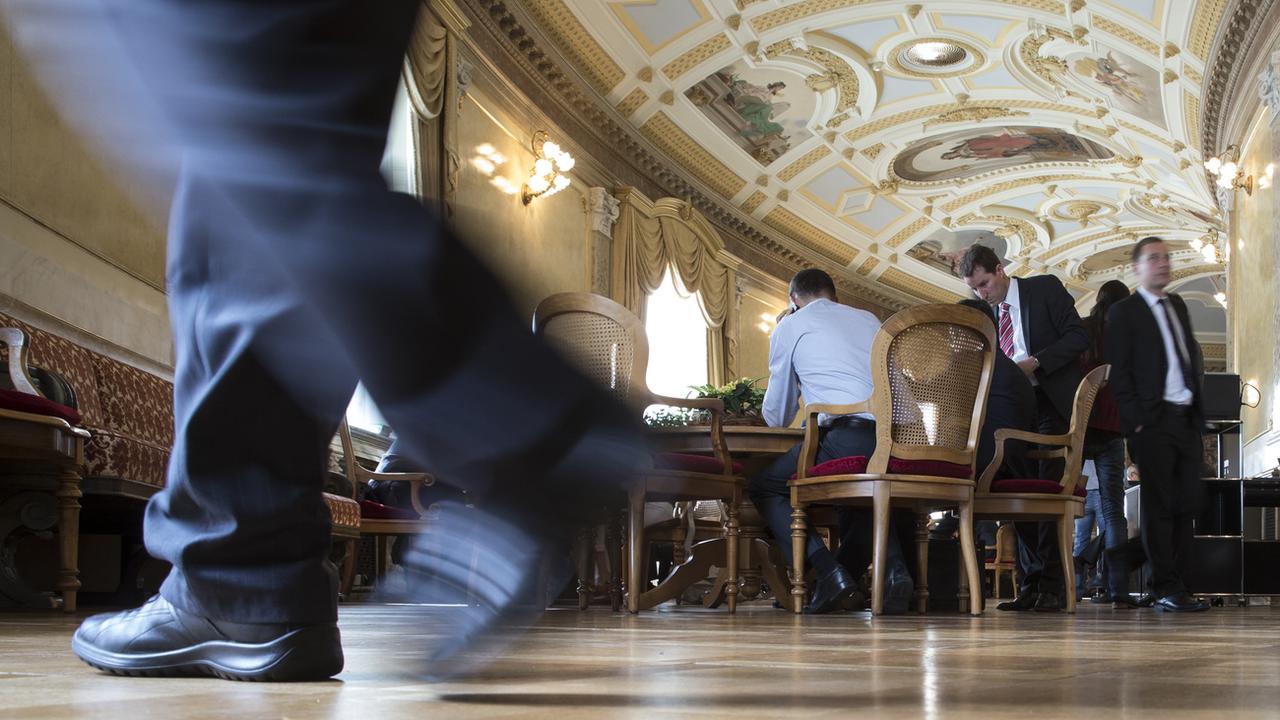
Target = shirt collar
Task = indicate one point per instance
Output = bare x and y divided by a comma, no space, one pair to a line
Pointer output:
1012,296
1149,296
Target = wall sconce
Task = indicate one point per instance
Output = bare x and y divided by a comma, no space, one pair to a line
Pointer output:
1250,396
1227,169
549,169
1207,246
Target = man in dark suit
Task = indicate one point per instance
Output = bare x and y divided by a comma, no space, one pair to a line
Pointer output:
1156,366
1039,329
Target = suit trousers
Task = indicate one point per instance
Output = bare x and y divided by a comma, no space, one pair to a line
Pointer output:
1039,564
292,272
1168,454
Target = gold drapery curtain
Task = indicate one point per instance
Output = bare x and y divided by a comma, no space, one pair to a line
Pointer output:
651,236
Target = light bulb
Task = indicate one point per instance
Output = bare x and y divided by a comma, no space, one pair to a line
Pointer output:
1224,181
550,149
1221,297
561,182
1229,169
538,184
542,167
565,162
1197,244
1213,165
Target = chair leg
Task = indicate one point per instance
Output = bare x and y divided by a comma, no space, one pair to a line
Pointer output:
1066,534
380,558
348,573
880,545
582,556
970,555
635,547
613,551
731,551
798,534
922,563
68,494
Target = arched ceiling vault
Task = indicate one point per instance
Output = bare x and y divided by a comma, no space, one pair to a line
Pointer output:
885,135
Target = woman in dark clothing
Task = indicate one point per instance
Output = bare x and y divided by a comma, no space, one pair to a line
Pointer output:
1104,445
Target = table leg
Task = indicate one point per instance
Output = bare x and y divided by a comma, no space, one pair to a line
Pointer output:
69,495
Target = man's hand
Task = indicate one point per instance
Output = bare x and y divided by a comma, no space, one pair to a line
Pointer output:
1028,366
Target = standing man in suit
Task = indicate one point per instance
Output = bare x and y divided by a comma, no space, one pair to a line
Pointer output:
1039,329
1156,366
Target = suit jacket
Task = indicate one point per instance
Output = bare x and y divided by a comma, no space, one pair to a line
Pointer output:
1139,364
1055,336
1011,403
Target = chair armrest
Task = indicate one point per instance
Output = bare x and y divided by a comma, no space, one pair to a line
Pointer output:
815,409
712,404
44,420
1005,434
1013,434
809,451
1046,454
417,481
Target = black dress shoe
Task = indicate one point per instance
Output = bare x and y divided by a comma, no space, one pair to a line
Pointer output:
1124,602
1048,602
830,591
1025,601
898,592
1181,602
160,640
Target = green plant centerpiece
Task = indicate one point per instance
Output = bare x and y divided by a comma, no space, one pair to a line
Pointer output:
743,401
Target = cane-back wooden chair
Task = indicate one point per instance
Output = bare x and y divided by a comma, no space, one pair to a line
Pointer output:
379,521
607,343
1033,499
931,367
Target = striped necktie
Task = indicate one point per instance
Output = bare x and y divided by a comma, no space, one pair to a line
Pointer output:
1006,331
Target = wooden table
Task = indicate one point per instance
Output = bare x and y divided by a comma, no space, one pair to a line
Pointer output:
42,458
754,447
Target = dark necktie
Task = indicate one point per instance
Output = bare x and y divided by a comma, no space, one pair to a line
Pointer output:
1175,330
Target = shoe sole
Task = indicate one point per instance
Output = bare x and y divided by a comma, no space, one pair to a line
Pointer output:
835,603
313,653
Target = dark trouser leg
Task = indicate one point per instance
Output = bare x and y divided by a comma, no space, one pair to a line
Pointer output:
1108,459
1169,470
771,496
281,111
1038,555
856,539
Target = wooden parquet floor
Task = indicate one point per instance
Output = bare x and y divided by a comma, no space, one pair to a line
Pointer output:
684,662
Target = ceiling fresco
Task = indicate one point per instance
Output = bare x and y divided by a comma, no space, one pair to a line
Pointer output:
888,136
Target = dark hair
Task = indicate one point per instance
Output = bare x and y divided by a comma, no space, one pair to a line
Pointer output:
813,283
1137,248
981,306
1111,292
978,256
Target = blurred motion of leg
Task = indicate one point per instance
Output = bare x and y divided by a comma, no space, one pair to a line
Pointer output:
292,272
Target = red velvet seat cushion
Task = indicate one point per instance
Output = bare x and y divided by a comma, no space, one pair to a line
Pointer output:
377,511
686,462
857,464
1031,485
36,405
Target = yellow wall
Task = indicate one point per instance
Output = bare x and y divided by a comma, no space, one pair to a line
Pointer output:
759,301
538,249
1252,301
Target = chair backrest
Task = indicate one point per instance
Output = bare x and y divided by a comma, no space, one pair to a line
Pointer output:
1086,392
603,339
16,341
931,366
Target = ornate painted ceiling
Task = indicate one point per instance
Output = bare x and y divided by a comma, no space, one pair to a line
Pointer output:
886,136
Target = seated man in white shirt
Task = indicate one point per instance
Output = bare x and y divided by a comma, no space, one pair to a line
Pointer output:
822,350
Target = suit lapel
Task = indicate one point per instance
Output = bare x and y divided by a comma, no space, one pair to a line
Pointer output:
1024,313
1147,317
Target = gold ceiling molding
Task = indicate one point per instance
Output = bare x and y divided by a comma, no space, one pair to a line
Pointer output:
908,232
1162,139
691,58
788,222
1201,269
1191,108
1048,6
803,162
923,289
798,11
1007,228
1204,24
930,111
1000,187
753,202
838,75
1048,67
837,120
1213,351
868,265
974,113
871,151
573,39
1060,248
894,57
1106,25
632,102
1132,162
688,152
1192,74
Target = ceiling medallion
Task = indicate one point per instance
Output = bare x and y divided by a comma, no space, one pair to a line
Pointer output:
1081,211
935,57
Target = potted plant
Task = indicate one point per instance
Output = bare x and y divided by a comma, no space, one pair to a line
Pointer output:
743,401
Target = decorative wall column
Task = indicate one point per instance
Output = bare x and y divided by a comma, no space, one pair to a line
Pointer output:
602,212
436,80
1269,92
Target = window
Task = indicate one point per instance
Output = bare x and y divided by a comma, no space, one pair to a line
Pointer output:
364,414
677,332
398,166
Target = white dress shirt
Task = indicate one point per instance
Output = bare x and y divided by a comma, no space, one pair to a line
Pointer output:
823,351
1175,387
1020,351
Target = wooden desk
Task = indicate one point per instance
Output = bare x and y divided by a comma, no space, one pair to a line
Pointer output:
43,457
754,447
